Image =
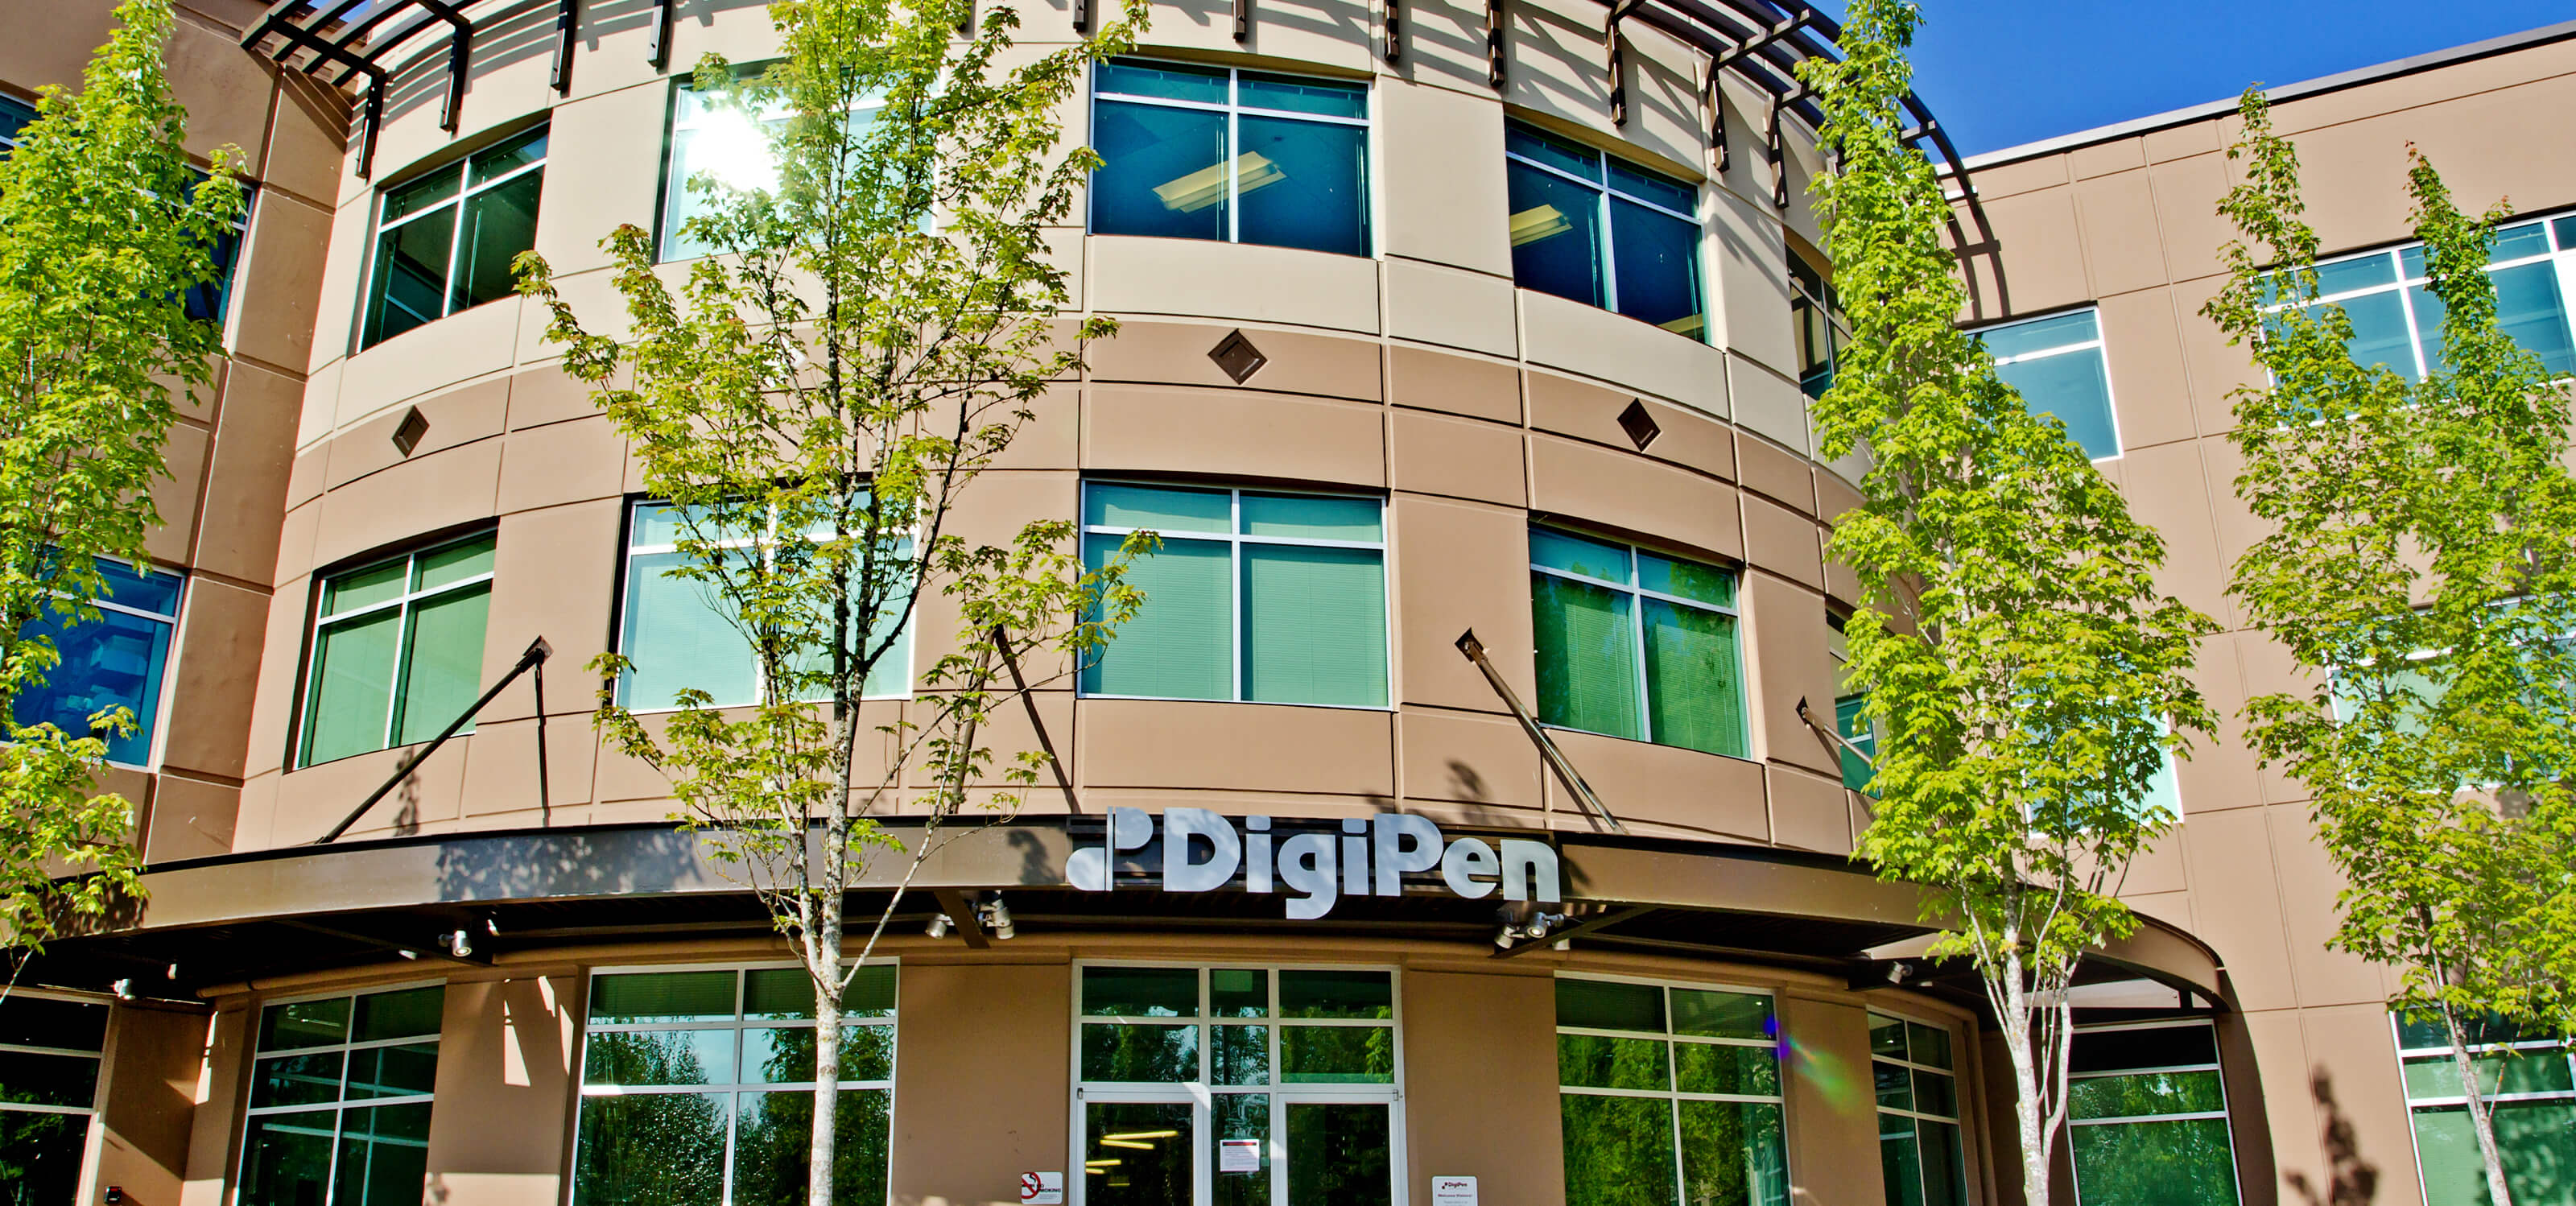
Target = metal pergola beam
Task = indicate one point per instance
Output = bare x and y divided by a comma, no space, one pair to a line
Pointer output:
323,32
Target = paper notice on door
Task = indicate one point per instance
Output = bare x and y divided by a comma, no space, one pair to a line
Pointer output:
1238,1155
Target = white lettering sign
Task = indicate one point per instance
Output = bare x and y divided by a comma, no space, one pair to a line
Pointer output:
1453,1191
1238,1155
1202,851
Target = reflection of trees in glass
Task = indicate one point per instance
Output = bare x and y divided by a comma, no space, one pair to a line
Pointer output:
1243,1116
384,1155
2182,1162
1599,1062
787,1055
286,1160
1325,1054
1731,1154
2536,1138
1338,1154
1149,1054
1141,1171
650,1057
40,1158
1618,1150
651,1149
772,1146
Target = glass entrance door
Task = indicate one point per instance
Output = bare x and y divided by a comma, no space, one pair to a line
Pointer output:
1140,1153
1340,1153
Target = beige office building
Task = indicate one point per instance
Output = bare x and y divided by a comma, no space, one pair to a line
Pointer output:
1436,318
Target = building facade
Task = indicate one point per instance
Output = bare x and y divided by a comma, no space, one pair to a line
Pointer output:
1449,333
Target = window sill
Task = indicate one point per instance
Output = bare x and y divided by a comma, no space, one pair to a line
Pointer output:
1264,703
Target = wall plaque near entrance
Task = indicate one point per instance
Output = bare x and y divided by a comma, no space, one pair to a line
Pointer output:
1316,862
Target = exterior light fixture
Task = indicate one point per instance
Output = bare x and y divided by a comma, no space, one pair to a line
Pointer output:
124,989
1899,972
996,917
1535,928
410,432
938,927
457,942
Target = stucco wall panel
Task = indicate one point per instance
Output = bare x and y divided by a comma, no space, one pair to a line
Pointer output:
279,295
2046,270
459,347
1297,362
2187,195
217,675
421,495
1442,154
459,416
1464,385
2352,1049
1479,759
1597,343
1784,542
183,457
1457,566
1239,280
1620,491
2113,210
2150,389
561,463
2309,887
1463,458
1234,433
1248,747
212,1126
190,818
1479,1057
1808,811
1662,790
1786,660
965,1029
2231,866
2166,490
1828,1041
555,575
505,1089
1462,309
149,1081
247,475
603,168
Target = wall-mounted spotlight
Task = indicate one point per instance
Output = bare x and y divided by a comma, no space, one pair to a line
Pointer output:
1899,972
996,917
1535,928
124,989
457,942
938,927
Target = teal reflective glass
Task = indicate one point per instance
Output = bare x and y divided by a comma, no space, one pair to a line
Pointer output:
304,1024
1239,1055
2379,335
1710,1013
1894,1085
14,116
2529,310
1556,234
452,563
2041,334
1314,517
1929,1044
1851,720
410,284
1887,1036
498,223
1654,188
1935,1093
1694,693
679,636
1296,94
1945,1168
646,997
2177,1163
1733,1154
658,1057
1164,172
289,1080
2426,1031
2536,1138
1336,994
511,155
1726,1068
1139,1153
1340,1153
651,1149
1106,505
2144,1094
1180,644
350,693
1140,1054
1686,579
1337,1055
151,590
1577,555
1587,656
399,1071
1618,1150
1314,625
2365,272
787,993
1900,1160
1530,142
1165,81
1302,184
2074,386
365,586
2542,1071
1238,992
384,1156
392,1015
2565,228
1140,992
402,201
2516,242
1609,1005
787,1054
442,664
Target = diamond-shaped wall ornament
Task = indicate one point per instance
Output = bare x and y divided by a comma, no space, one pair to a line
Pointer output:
409,433
1236,355
1639,425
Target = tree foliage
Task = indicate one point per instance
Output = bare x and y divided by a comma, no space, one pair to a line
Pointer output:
104,226
2031,678
870,336
2420,565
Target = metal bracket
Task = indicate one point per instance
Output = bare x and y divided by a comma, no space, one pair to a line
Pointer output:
567,18
1618,48
1394,30
1596,922
1242,20
537,653
1778,154
1494,31
1555,758
1002,640
962,918
658,51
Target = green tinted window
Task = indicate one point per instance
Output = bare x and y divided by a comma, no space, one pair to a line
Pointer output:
1336,994
662,997
1140,991
1615,661
397,650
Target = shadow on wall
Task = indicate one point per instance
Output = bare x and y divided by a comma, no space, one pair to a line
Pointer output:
2350,1180
528,32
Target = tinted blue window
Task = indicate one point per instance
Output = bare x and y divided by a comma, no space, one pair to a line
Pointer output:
1303,184
117,659
1556,234
1561,197
2056,364
1224,159
1302,96
1169,81
1657,267
14,116
1163,172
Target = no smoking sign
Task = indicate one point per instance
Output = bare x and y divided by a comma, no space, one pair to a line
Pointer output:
1041,1189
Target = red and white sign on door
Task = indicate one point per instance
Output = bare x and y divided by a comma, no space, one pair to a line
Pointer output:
1041,1189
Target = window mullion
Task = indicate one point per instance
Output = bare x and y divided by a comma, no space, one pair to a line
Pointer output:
1645,695
402,639
455,248
1236,585
1609,251
1233,164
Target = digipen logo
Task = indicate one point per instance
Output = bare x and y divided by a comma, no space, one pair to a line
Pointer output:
1202,851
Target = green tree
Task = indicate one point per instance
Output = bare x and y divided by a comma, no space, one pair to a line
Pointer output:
104,226
2421,566
2031,679
870,335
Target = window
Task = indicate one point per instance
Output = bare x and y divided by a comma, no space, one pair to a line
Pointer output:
1822,330
1918,1113
1850,712
710,137
2529,1084
49,1052
14,116
1636,645
397,649
1191,152
1255,596
2147,1117
340,1100
1602,231
698,1087
1237,1086
681,633
1669,1095
2397,322
444,242
2056,363
207,300
119,659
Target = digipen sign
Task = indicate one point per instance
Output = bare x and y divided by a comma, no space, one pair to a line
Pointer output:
1201,851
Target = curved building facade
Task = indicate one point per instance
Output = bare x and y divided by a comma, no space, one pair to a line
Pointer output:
1463,364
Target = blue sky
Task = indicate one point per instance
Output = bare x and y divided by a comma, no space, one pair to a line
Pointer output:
2004,72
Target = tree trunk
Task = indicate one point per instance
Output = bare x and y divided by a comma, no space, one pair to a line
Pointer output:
2481,1112
2026,1101
824,956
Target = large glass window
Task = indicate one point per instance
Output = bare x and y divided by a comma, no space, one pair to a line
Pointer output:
1851,705
340,1100
49,1053
1258,596
208,300
1636,645
1918,1113
121,658
14,116
1669,1095
1603,231
736,147
2057,365
697,1088
397,649
2397,322
681,633
2530,1084
1191,152
1822,330
2147,1117
1237,1086
444,241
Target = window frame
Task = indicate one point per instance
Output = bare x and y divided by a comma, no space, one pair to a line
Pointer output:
161,701
2558,230
1673,1092
339,1106
1201,1094
1234,539
621,612
2099,343
1235,110
1605,188
1635,589
2223,1114
306,698
1914,1113
98,1057
466,190
672,189
583,1090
